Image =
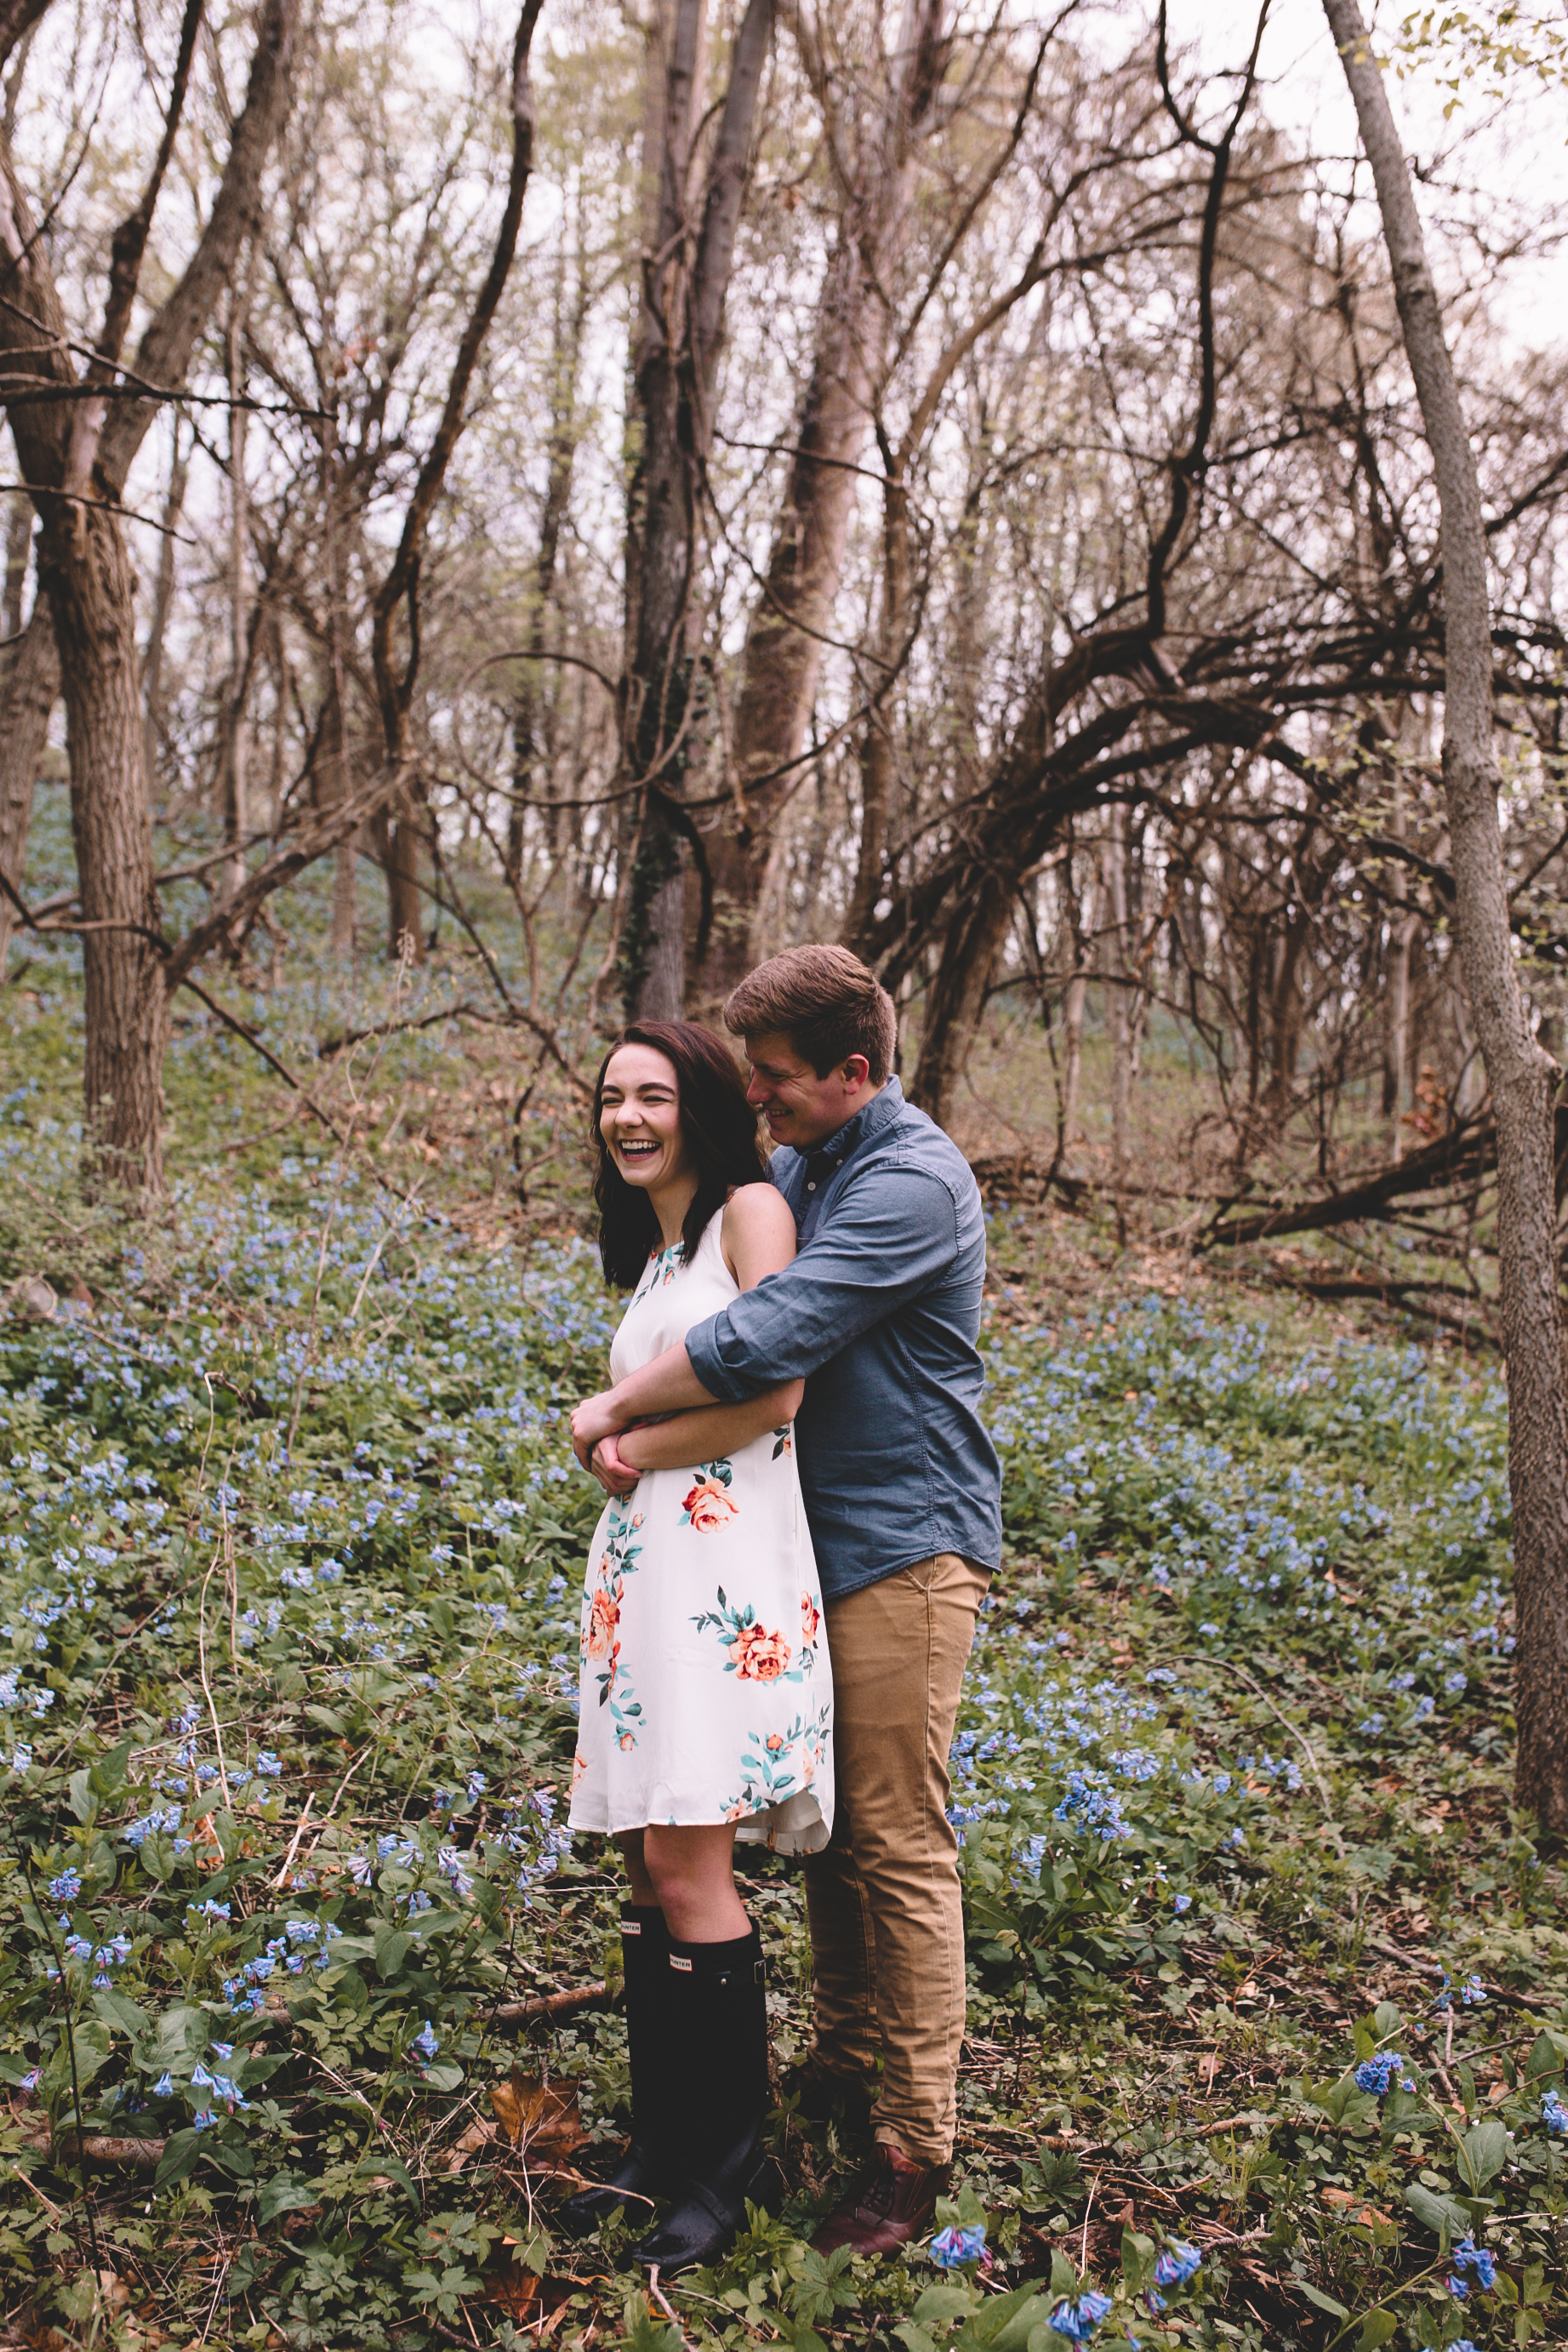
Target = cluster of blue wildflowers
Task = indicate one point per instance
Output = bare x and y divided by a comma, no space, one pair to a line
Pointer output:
1078,2321
305,1943
958,2245
1468,2257
1379,2075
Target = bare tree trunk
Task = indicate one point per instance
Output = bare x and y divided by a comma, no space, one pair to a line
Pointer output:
1075,922
233,799
1396,1061
784,645
28,695
876,756
563,439
956,997
397,838
1116,967
98,444
1523,1077
162,599
681,326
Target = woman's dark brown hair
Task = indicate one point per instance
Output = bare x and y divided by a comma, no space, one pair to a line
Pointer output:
720,1131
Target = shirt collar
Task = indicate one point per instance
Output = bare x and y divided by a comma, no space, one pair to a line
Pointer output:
869,1121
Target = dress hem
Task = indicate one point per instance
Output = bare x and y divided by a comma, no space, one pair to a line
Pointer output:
752,1829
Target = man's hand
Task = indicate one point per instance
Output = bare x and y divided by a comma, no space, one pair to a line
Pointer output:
617,1477
594,1418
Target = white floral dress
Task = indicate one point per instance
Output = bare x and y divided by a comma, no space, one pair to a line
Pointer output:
706,1695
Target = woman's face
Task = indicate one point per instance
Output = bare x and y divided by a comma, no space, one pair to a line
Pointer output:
639,1119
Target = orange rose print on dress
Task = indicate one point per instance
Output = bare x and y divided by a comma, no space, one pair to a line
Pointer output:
759,1656
810,1618
708,1507
600,1639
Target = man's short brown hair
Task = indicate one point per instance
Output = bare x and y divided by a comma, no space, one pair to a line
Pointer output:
825,1001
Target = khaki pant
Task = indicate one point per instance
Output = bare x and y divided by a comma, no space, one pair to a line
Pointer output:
883,1899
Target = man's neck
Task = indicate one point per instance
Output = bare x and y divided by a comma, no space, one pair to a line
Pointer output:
851,1111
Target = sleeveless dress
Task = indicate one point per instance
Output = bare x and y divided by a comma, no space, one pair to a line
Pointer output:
705,1691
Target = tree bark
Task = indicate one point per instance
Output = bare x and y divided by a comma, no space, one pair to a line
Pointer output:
563,438
674,397
785,643
1523,1077
956,997
85,575
119,428
30,689
1116,965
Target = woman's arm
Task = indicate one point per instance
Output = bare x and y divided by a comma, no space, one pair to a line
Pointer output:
709,1432
758,1238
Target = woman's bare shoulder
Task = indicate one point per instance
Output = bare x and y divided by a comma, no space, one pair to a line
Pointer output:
758,1208
758,1218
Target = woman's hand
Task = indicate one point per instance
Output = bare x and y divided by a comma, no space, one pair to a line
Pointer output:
617,1476
594,1420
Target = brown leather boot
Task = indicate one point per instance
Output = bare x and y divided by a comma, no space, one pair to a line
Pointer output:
893,2202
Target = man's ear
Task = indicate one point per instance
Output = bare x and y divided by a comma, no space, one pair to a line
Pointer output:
855,1071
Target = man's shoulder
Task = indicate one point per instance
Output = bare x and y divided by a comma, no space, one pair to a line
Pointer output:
913,1140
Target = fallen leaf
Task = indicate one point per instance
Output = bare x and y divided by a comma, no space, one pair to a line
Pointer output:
1343,2200
478,2134
540,2121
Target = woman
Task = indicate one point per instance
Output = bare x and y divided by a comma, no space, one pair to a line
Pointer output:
706,1699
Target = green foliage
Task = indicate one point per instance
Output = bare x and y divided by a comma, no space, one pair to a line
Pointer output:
291,1552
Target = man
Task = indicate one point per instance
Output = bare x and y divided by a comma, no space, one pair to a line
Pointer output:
879,1313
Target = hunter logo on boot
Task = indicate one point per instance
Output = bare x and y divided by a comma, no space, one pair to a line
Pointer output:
679,1960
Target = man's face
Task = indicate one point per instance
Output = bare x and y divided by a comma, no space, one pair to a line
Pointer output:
801,1109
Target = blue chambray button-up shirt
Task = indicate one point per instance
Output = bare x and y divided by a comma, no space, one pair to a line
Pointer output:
879,1314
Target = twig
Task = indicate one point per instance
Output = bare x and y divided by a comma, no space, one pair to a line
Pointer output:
102,2148
277,1883
1299,1737
554,2005
206,1685
671,2314
1433,1967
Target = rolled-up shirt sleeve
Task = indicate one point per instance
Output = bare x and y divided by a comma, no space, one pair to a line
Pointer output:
888,1238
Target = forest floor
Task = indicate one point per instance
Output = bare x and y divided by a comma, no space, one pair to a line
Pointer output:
307,2008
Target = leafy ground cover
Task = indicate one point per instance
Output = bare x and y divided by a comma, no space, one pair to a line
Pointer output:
308,2006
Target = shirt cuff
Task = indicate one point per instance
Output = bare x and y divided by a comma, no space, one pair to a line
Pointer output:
702,1348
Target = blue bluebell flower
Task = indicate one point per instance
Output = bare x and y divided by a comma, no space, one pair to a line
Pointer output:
65,1887
1178,2263
951,2248
427,2041
1553,2114
1468,2256
1377,2074
1078,2321
1180,1903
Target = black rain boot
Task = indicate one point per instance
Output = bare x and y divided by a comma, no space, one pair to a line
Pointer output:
651,2166
718,2020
